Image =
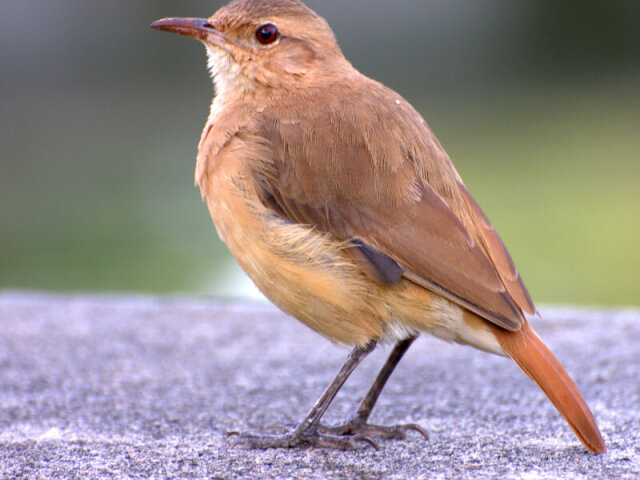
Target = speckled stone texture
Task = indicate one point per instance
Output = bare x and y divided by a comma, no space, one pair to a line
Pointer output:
119,387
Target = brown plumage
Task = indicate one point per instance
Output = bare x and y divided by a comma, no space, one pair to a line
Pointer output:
339,202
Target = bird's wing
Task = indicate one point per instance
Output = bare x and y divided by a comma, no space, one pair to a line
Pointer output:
370,171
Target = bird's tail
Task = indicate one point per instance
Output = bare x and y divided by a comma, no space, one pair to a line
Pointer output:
537,361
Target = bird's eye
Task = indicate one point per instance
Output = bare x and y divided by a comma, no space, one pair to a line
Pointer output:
267,33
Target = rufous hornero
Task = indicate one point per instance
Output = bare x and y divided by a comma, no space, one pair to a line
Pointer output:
339,202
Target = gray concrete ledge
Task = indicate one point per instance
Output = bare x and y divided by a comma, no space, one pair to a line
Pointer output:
118,387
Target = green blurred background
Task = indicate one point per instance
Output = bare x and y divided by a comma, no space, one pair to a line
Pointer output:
537,102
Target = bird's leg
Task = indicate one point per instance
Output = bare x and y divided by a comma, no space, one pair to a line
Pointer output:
357,423
307,432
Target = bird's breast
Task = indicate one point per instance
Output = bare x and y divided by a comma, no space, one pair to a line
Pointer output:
304,272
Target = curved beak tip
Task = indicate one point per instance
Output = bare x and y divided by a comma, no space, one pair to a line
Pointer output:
157,25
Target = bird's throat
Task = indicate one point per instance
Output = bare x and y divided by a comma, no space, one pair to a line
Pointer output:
229,78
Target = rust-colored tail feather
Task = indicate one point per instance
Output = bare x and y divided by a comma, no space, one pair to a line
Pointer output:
537,361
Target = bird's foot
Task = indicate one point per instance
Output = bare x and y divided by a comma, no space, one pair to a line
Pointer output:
359,427
300,438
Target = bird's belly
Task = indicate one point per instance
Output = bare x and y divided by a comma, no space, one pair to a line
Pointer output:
302,271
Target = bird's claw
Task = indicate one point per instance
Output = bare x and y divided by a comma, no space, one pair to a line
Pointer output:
395,432
295,439
277,426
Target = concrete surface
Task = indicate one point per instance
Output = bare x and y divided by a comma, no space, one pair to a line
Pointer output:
115,387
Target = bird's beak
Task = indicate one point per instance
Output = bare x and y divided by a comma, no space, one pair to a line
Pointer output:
197,28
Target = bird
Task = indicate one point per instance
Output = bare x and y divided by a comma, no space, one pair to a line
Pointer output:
339,202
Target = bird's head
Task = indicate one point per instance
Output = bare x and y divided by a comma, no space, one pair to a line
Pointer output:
252,44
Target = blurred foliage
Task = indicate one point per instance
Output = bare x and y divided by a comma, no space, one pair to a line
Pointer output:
584,36
538,104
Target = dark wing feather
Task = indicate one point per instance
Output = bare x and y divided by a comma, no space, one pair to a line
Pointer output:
369,170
